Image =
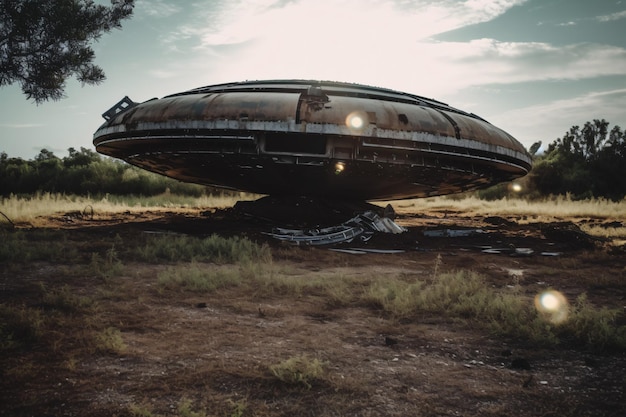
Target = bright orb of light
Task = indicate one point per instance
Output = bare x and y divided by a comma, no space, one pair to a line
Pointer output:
339,167
516,187
553,305
549,301
356,120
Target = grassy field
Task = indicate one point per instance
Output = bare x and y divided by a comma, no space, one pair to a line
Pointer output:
23,209
45,204
107,319
548,209
30,209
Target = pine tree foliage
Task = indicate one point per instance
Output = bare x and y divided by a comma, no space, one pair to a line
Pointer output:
43,43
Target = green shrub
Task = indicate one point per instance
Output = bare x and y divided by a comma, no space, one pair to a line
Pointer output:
211,249
37,245
298,370
19,326
139,411
110,340
238,407
594,327
65,300
108,266
465,295
185,409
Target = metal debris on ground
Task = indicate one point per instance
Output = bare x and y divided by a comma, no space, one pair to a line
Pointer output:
362,226
452,232
510,250
363,251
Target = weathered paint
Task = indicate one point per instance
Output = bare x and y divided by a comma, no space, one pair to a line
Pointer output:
286,137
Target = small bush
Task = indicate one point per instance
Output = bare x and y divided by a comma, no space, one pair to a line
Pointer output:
110,340
139,411
594,327
108,266
238,407
298,370
65,300
19,326
185,409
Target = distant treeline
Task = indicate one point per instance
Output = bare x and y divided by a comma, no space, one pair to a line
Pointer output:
587,162
84,172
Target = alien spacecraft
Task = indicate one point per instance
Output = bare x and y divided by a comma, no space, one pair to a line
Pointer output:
314,138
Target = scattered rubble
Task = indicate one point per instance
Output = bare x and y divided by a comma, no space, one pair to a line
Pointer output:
362,226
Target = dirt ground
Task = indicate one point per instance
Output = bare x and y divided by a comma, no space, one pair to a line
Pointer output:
193,354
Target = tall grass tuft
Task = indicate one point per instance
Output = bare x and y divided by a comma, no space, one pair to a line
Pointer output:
185,409
19,326
65,300
460,293
298,370
199,277
110,341
211,249
464,295
594,327
548,208
108,266
37,245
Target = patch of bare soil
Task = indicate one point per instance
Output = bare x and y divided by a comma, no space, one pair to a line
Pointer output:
212,352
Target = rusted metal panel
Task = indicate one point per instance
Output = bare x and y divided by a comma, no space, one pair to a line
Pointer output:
317,138
232,106
384,115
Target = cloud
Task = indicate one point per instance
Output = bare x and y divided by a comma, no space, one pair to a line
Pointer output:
156,8
490,8
586,105
381,42
378,42
162,74
21,125
491,61
611,17
549,121
235,22
425,67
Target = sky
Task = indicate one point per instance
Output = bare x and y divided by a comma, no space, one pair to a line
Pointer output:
534,68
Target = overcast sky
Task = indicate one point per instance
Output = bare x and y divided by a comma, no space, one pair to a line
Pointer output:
531,67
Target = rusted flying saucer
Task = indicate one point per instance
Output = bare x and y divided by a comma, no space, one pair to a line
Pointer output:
315,138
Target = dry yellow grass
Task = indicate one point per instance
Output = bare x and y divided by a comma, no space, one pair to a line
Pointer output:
549,209
45,204
21,209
